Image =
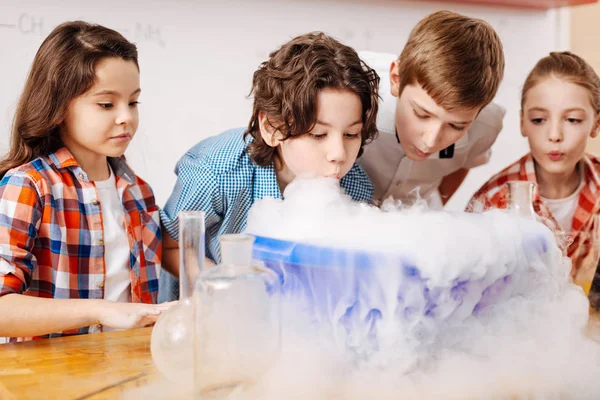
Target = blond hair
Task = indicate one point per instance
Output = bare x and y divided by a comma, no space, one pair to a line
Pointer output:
567,66
458,60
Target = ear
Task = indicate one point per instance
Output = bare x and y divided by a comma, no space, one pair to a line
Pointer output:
267,131
522,123
394,79
596,128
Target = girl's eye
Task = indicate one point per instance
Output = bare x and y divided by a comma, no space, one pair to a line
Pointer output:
574,120
134,104
105,105
318,136
537,121
352,135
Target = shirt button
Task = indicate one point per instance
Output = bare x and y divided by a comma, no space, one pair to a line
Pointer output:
101,285
80,176
95,202
101,242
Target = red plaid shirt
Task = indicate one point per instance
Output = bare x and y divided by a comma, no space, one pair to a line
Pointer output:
494,194
51,232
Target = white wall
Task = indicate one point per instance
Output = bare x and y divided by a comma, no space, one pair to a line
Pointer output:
197,59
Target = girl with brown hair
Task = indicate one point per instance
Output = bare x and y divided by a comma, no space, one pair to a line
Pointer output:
80,239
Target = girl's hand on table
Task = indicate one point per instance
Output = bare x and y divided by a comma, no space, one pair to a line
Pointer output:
129,315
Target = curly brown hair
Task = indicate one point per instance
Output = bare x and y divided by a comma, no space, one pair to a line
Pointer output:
286,87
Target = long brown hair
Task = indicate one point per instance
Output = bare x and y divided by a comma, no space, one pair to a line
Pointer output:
63,69
286,87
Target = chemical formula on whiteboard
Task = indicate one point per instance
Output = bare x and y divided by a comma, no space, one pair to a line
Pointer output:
30,24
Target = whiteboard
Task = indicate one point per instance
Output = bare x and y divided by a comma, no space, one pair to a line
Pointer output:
197,59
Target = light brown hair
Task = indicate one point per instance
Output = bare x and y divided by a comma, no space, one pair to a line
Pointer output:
63,69
286,86
458,60
570,67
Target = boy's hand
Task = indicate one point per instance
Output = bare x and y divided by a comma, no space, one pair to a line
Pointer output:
129,315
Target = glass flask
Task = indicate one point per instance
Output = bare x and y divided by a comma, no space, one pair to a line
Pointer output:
520,202
238,320
172,341
520,198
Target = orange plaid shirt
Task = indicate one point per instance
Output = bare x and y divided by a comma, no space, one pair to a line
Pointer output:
51,232
494,194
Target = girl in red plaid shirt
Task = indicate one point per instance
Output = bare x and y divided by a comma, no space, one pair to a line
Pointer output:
560,111
80,238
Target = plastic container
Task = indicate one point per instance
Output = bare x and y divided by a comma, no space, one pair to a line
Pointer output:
357,296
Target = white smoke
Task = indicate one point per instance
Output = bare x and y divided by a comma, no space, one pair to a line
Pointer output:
436,336
418,304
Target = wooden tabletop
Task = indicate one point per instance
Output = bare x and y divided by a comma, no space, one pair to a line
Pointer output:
111,365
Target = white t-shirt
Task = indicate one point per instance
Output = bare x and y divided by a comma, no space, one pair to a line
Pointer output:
117,284
564,209
394,174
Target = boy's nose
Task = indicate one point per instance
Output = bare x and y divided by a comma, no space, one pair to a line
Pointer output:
431,136
337,152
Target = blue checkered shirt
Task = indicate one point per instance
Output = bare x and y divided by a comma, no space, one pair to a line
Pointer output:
218,177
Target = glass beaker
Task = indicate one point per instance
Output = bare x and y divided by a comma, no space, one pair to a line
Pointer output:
238,320
172,338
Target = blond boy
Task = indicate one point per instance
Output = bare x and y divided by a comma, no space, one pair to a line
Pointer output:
435,119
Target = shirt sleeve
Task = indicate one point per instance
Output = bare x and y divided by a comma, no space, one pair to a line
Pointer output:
492,194
479,202
485,129
20,219
196,189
